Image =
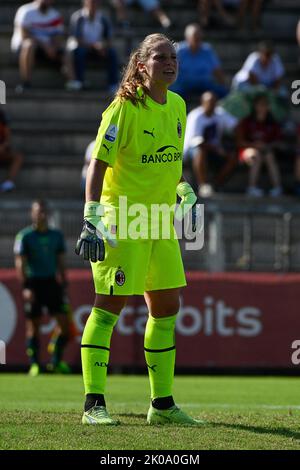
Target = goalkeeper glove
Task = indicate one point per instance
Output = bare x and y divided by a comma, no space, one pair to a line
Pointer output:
90,242
188,203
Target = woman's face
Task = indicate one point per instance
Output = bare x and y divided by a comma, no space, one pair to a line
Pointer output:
161,66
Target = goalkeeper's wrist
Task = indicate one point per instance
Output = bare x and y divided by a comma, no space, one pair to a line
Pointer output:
185,191
93,209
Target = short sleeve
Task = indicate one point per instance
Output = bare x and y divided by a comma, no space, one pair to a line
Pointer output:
23,18
20,18
111,133
20,245
250,63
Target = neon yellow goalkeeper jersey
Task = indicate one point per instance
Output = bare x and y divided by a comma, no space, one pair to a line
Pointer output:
143,148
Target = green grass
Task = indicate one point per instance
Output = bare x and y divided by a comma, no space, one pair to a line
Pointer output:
240,413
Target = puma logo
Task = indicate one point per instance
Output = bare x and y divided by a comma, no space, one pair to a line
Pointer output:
106,148
150,133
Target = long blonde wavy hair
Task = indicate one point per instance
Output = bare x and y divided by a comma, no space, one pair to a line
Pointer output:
132,77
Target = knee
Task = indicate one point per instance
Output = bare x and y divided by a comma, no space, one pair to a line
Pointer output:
28,295
28,44
112,304
167,309
251,156
199,155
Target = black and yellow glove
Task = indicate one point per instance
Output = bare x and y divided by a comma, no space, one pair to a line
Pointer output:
90,243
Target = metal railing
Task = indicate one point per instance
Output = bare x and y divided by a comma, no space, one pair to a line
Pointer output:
240,234
247,236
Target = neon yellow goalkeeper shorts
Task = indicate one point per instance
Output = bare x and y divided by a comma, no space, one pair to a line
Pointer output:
136,266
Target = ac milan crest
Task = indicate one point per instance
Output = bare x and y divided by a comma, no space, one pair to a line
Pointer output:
120,277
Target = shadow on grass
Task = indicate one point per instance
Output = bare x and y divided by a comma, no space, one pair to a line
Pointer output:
132,415
284,432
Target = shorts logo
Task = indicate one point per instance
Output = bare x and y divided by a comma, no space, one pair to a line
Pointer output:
111,133
120,277
179,129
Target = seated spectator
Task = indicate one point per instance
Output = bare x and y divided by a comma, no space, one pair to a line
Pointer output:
262,67
38,33
149,6
8,156
87,159
205,128
256,137
226,8
199,67
204,8
90,40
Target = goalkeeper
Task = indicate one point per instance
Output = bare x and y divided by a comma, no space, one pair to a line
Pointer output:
137,155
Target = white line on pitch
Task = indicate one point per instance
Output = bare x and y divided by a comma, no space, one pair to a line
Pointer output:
217,405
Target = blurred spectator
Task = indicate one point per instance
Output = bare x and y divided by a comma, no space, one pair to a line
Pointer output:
149,6
199,67
38,33
262,67
256,6
206,125
257,135
8,156
87,159
204,8
90,40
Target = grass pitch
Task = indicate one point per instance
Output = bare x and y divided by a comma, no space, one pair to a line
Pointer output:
240,413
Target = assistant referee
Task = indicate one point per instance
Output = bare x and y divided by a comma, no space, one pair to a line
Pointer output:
40,264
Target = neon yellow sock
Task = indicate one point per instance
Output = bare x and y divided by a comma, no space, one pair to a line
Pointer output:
95,346
159,346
